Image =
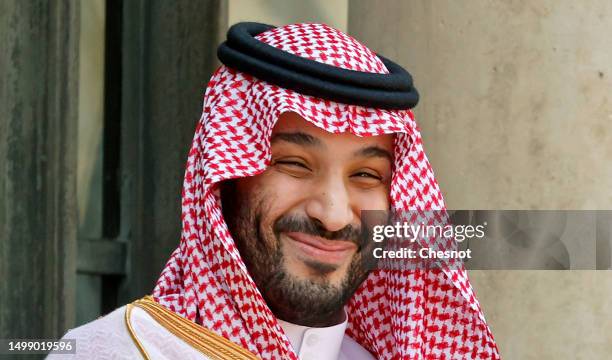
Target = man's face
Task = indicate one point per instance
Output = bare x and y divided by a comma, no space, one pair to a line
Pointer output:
297,225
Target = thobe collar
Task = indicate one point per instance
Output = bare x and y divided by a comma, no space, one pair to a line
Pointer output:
321,343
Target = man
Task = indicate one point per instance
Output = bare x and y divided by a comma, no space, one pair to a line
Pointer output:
302,129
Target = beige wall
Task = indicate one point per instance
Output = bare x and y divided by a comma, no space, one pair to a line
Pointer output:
516,111
281,12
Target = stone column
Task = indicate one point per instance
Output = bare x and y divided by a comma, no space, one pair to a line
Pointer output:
38,211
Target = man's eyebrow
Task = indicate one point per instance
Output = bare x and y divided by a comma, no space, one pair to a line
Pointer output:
299,138
374,151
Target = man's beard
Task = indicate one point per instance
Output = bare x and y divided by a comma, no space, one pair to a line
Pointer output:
300,301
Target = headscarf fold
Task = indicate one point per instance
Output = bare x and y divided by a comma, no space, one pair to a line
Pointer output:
395,314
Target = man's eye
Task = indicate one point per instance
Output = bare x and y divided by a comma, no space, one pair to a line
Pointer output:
366,175
366,179
295,168
291,163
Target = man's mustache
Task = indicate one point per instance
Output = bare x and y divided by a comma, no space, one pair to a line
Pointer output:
357,235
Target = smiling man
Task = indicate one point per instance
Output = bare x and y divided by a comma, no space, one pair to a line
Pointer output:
302,129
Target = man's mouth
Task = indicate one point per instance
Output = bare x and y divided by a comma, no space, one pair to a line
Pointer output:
321,249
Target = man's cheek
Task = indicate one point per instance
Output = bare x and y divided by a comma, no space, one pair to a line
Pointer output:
285,186
270,241
282,196
376,199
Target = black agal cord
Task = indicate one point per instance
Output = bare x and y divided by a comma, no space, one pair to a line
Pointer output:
243,52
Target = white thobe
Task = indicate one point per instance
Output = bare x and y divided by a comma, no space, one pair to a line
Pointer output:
324,343
109,338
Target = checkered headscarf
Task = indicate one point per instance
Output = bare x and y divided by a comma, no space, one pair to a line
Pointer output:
395,314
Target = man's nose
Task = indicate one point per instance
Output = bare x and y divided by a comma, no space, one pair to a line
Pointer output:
330,204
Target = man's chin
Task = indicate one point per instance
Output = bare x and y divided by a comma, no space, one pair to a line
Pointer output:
318,273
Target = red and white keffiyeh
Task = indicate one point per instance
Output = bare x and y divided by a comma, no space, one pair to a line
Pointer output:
395,314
